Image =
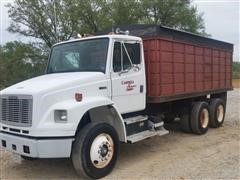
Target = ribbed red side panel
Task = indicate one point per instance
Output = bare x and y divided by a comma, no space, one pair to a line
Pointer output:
177,67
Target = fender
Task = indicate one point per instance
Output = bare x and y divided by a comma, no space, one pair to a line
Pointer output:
100,108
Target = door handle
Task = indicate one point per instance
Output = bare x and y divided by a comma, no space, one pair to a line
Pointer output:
102,87
141,88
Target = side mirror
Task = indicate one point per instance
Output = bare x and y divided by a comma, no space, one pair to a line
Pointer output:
135,67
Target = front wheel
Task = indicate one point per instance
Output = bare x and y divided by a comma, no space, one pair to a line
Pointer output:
95,150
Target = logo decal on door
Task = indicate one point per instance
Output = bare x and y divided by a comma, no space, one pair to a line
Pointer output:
129,85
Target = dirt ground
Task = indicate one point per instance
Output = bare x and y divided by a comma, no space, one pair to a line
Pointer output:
177,155
236,83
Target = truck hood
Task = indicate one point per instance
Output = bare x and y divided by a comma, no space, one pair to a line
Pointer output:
51,82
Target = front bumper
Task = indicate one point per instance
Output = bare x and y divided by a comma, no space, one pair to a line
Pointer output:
37,148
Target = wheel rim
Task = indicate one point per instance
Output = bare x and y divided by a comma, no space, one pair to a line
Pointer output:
220,113
204,118
102,150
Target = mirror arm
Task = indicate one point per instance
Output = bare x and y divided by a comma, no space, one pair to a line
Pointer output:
123,72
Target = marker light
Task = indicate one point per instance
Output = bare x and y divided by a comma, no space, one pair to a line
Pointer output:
78,97
60,116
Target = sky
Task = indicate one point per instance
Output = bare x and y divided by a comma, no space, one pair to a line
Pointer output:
221,19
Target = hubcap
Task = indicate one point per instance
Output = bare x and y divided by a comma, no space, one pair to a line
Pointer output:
102,150
220,113
204,118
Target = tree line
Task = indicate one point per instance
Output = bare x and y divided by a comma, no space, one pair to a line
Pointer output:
20,61
56,20
236,70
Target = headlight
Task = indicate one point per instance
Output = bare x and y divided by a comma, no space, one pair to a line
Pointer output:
60,116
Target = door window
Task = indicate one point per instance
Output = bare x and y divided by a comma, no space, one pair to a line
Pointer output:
125,55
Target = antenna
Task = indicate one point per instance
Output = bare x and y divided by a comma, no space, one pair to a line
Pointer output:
55,19
112,27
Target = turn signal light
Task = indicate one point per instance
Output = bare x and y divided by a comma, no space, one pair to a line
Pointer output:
78,97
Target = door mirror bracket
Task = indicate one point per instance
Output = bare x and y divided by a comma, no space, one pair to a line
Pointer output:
123,72
134,67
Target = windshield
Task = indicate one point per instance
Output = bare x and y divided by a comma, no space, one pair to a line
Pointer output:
85,55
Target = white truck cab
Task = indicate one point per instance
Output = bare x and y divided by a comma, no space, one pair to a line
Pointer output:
77,108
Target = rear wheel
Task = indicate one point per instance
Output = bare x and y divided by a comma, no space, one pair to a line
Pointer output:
95,150
185,123
200,118
217,112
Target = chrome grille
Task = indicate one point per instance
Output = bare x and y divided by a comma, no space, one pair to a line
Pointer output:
16,110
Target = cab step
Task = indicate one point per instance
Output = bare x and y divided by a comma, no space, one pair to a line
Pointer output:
135,119
142,126
146,134
136,124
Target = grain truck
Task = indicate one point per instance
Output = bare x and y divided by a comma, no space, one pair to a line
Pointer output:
116,87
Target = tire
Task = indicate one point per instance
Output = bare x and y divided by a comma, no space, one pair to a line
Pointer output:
200,118
217,112
89,161
185,123
28,158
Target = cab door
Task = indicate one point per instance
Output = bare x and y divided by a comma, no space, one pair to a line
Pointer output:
128,76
